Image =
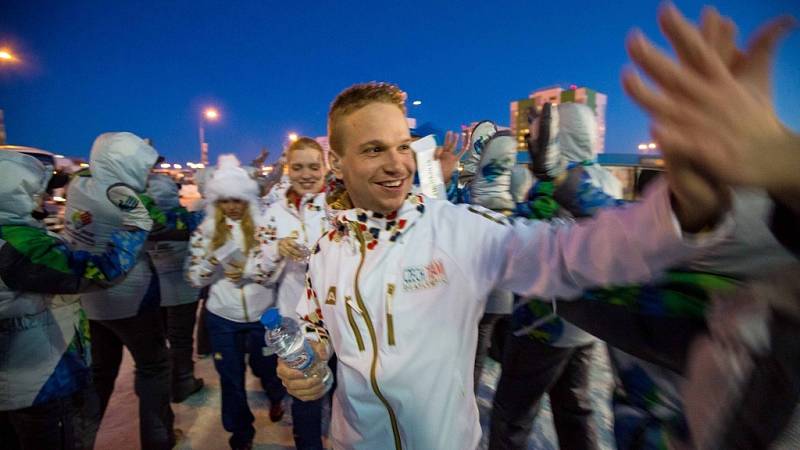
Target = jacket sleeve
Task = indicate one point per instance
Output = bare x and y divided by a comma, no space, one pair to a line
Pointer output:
625,245
32,260
265,266
310,314
201,268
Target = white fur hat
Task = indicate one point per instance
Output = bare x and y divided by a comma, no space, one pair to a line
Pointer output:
231,180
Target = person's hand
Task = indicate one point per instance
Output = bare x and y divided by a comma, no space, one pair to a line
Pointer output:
134,213
295,381
259,161
233,270
289,248
719,118
698,201
447,156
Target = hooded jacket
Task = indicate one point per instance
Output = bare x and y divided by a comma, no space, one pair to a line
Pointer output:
43,332
246,298
306,224
91,218
401,297
578,143
169,256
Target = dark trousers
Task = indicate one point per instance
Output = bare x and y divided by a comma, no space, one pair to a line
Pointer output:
530,370
65,423
203,344
229,343
179,323
144,338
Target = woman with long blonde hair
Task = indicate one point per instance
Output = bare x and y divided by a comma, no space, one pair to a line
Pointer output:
225,255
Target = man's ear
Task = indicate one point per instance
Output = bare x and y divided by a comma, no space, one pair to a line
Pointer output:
336,164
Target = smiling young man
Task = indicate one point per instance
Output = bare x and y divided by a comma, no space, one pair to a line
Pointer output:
401,280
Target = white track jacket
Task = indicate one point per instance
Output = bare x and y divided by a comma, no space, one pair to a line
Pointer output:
401,297
305,225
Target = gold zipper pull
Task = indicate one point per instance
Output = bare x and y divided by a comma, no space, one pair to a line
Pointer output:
389,318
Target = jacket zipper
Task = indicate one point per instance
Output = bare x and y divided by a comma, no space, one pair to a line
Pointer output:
398,445
244,306
389,318
349,308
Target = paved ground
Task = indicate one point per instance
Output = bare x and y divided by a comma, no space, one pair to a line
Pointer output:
199,416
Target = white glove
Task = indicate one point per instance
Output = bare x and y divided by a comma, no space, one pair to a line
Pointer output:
134,214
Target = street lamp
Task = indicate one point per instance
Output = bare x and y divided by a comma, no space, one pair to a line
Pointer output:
210,115
293,137
7,56
416,102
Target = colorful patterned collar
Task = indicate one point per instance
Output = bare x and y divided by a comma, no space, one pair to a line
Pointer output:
376,227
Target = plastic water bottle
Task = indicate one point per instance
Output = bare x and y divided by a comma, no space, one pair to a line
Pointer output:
284,337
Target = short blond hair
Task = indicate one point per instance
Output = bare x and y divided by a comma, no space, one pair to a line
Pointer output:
356,97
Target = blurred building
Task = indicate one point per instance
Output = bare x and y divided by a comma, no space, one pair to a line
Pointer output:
556,94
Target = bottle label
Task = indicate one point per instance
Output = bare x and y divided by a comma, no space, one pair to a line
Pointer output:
303,359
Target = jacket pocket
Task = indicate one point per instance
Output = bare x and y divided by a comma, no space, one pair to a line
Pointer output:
350,308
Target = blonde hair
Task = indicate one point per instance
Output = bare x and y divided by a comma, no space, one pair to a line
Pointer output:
356,97
222,234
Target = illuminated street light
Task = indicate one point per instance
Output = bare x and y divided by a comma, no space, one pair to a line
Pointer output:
166,165
651,145
177,166
292,137
211,114
7,56
58,156
416,102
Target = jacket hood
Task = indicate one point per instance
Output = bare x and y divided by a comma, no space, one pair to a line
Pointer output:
578,142
201,178
164,191
121,158
577,134
23,179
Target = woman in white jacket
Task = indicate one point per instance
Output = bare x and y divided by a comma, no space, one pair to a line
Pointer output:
299,218
225,252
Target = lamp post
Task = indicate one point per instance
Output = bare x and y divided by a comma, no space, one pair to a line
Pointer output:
209,114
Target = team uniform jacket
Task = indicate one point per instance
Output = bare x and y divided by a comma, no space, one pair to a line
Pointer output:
306,225
242,300
401,296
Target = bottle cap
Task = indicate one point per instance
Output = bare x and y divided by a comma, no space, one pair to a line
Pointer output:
271,318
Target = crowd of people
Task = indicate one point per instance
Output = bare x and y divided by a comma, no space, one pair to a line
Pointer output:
693,287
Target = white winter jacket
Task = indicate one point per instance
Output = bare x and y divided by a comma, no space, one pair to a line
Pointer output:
306,225
401,297
242,300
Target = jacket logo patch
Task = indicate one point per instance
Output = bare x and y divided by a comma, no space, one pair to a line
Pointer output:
424,277
330,299
81,218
